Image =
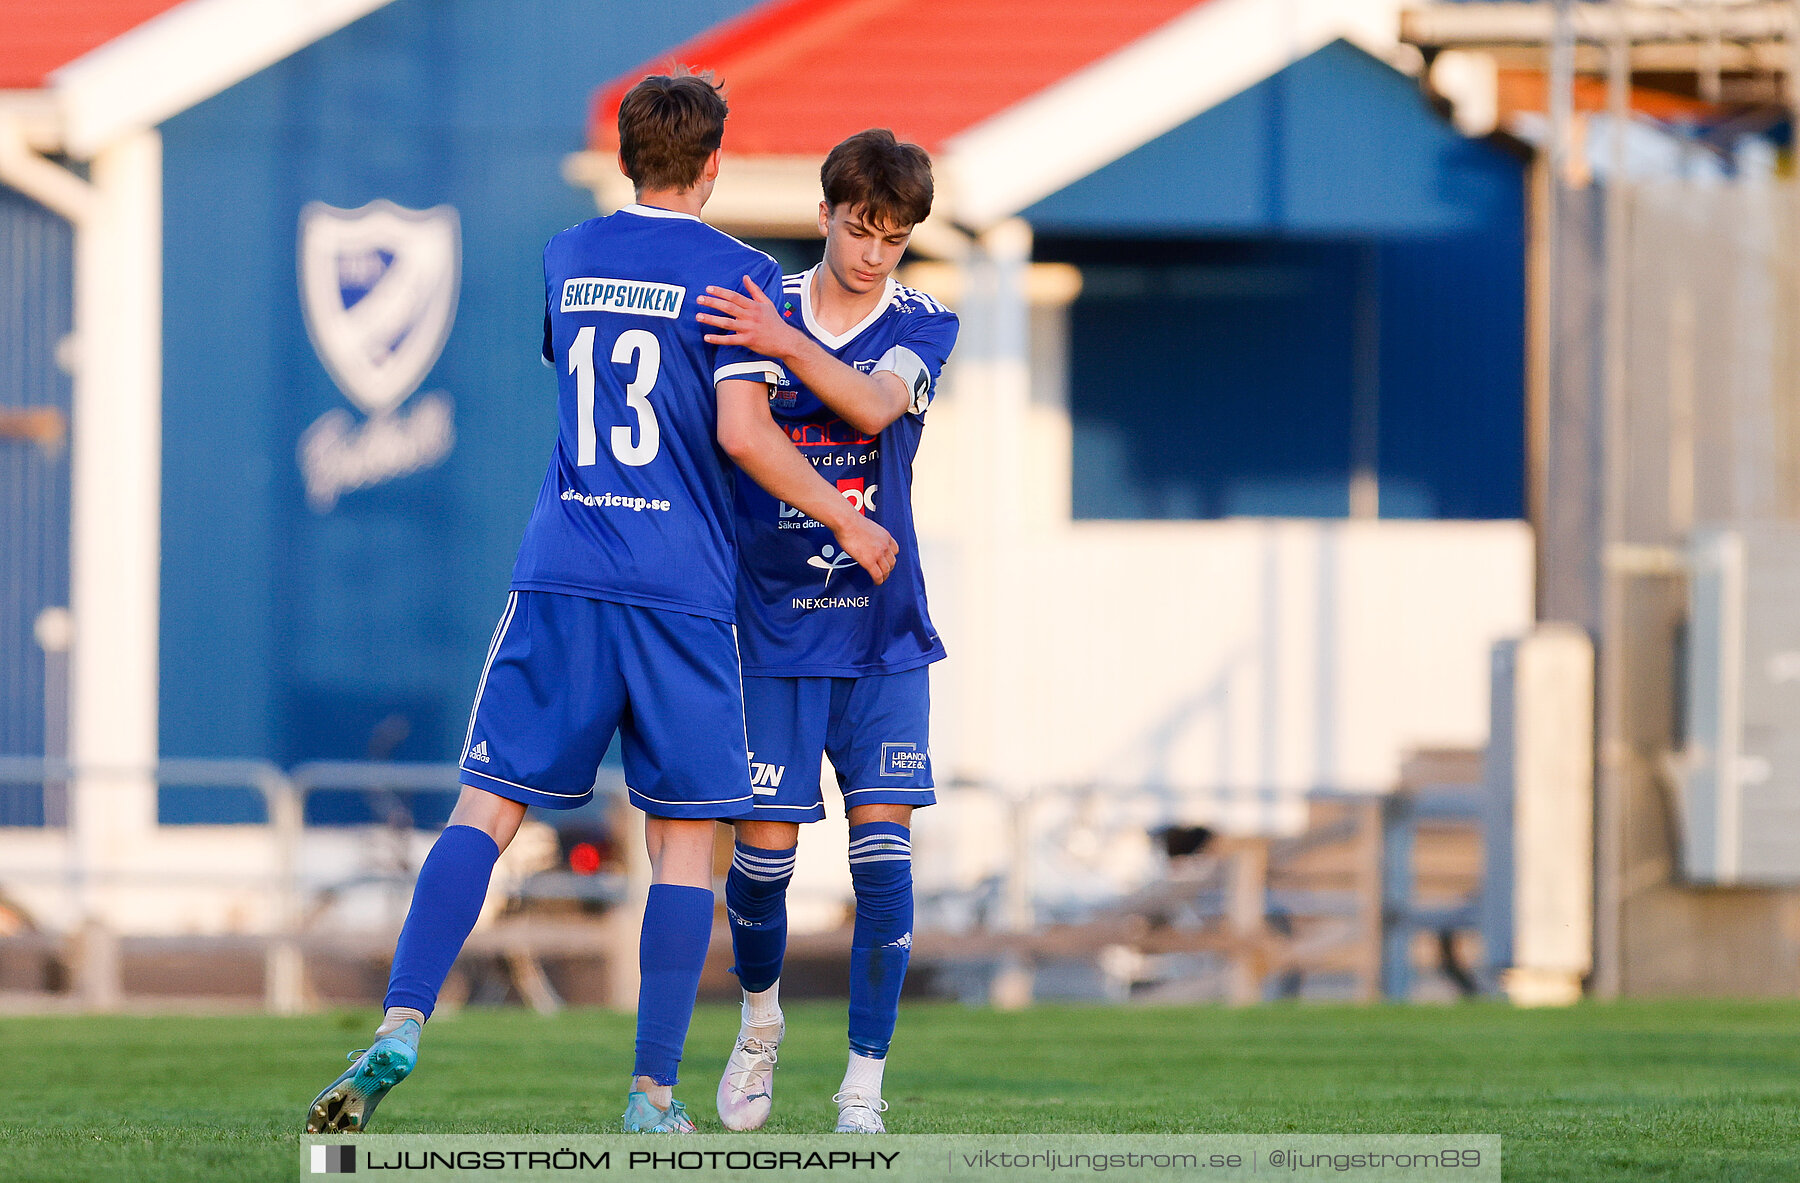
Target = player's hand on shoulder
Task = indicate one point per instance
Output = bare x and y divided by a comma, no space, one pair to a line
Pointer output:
866,541
750,321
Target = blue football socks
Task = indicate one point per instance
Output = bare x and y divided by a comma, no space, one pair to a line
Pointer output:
880,947
446,901
756,905
671,954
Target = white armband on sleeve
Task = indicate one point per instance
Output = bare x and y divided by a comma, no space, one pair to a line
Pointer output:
911,370
749,371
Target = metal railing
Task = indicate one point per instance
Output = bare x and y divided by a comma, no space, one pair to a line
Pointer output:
94,947
1239,911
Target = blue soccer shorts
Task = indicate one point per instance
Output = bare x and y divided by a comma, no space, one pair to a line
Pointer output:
874,728
565,672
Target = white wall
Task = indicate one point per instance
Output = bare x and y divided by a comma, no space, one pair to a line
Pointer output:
1195,672
1234,665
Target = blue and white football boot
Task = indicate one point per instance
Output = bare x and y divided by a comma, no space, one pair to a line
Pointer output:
641,1117
348,1102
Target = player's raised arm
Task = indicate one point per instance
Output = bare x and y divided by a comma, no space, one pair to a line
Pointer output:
751,438
868,402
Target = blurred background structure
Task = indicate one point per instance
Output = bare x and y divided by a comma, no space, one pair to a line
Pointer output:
1361,508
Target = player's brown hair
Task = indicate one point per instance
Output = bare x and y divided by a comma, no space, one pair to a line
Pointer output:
888,181
668,125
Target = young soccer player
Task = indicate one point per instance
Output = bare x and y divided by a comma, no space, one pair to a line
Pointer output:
620,615
832,662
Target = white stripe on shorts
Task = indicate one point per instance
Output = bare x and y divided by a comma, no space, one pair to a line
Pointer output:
512,603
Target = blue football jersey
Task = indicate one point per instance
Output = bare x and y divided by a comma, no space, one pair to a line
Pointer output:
636,506
806,609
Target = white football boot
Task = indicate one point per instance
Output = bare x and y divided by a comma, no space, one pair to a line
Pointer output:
859,1114
747,1090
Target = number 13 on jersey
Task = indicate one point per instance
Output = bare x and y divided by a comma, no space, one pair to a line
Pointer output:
641,346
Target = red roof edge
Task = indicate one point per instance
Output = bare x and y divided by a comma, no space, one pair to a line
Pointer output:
760,23
39,38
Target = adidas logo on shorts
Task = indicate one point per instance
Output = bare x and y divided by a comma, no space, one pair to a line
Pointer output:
479,752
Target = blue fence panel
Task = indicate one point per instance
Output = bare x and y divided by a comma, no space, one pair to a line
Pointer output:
36,311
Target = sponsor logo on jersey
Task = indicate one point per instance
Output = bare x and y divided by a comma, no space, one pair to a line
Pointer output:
835,434
479,752
789,518
765,778
831,560
844,459
816,603
594,294
378,291
785,394
854,492
616,501
902,759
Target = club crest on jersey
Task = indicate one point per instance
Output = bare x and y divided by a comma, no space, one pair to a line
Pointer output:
378,292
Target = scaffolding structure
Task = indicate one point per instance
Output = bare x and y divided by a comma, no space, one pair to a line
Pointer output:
1665,339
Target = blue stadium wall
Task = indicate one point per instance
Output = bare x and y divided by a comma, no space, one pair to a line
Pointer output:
294,635
1231,266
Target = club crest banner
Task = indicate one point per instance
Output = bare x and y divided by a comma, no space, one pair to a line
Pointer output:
378,290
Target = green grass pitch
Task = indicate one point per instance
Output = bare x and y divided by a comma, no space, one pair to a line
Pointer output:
1680,1091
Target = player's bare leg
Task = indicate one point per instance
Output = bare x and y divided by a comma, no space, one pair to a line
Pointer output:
755,902
680,852
881,870
446,901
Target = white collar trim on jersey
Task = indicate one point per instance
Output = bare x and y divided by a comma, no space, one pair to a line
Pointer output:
834,340
652,211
